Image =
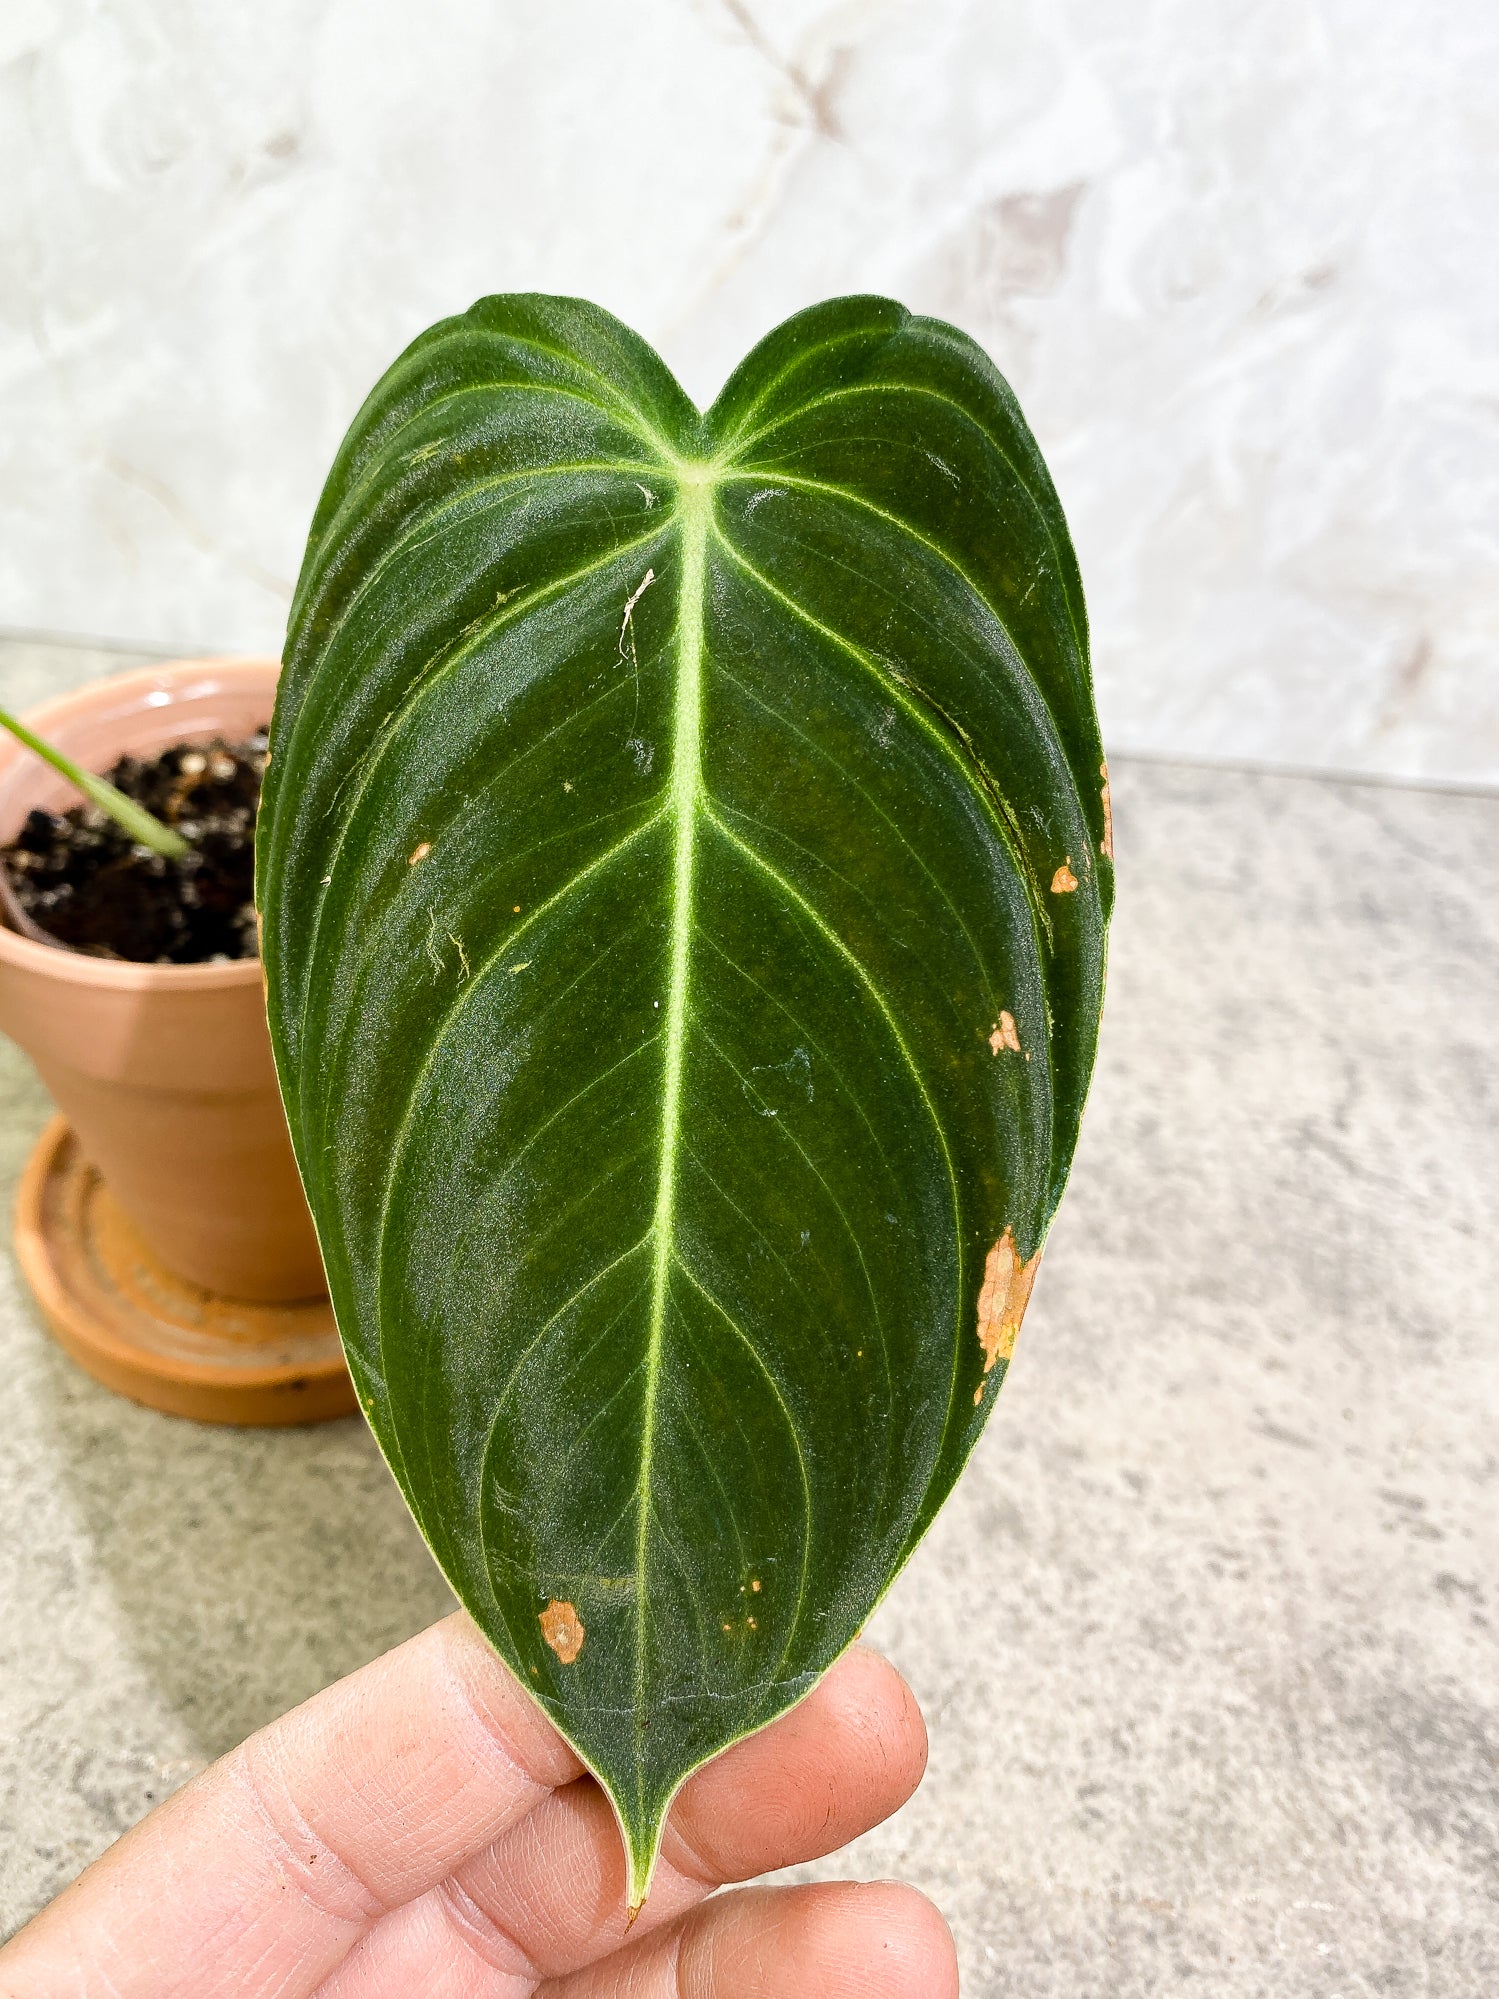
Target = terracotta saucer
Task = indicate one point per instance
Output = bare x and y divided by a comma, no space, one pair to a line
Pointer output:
151,1335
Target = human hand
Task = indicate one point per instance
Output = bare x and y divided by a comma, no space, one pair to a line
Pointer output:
422,1829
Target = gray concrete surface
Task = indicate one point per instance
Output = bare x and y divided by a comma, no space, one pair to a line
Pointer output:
1206,1638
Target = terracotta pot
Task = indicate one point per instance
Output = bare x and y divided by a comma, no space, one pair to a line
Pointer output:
163,1071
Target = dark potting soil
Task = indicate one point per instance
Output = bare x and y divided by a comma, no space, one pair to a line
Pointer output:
84,880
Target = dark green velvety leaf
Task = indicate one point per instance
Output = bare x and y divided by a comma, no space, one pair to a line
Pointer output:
685,867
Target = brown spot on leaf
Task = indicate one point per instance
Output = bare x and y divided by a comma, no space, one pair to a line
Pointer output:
1106,845
755,1586
1003,1299
1004,1035
562,1628
978,1395
1064,881
419,853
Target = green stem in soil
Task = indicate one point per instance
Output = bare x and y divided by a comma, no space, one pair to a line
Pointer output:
142,826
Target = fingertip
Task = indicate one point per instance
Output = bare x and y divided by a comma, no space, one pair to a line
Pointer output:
502,1704
873,1692
868,1728
841,1940
845,1758
918,1958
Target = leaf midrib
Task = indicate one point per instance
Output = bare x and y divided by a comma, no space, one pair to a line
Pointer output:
695,503
686,804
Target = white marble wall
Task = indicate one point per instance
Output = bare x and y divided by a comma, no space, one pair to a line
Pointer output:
1237,256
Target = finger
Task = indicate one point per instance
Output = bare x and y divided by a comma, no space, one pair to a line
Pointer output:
842,1761
842,1940
260,1875
549,1896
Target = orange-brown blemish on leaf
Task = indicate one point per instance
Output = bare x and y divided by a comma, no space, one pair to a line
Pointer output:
1106,844
562,1628
1002,1301
419,853
755,1586
1064,881
1004,1035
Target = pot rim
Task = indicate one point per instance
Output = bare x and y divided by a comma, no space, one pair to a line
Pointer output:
70,967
